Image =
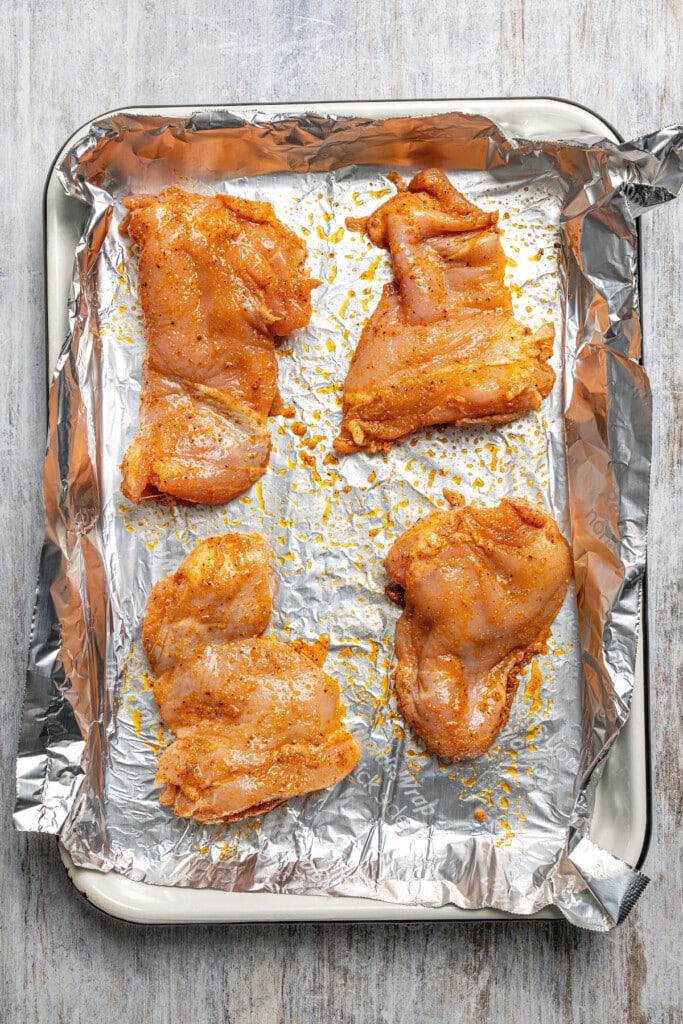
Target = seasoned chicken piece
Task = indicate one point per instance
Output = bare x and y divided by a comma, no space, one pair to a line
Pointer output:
442,345
482,587
193,442
221,280
223,590
256,721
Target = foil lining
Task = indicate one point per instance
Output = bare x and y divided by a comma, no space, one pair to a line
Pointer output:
402,827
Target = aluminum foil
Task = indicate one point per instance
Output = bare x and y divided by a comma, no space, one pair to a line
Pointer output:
403,826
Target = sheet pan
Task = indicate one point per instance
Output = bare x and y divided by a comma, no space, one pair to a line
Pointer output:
623,834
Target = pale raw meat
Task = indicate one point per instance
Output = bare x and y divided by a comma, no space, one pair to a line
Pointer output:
220,281
481,588
256,721
442,345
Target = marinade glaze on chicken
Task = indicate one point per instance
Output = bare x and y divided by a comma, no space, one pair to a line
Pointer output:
256,721
442,345
221,280
482,587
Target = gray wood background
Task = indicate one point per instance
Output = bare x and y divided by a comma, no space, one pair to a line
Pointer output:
63,63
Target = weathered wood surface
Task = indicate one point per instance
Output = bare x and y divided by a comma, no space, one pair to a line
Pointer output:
62,64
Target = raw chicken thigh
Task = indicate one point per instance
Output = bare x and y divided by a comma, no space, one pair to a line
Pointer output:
256,721
442,345
221,279
481,587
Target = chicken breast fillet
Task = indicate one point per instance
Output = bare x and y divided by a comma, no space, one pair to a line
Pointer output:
221,279
482,587
256,721
442,345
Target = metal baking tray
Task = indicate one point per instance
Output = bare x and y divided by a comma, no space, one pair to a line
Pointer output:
620,822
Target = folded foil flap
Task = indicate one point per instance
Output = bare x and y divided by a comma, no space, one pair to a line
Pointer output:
593,889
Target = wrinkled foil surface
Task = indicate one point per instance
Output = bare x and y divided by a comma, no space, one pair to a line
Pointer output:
403,826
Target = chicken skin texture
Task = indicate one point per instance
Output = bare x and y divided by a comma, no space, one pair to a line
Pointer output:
442,345
256,721
221,280
482,587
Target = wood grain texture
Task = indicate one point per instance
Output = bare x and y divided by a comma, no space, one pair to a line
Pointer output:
62,64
